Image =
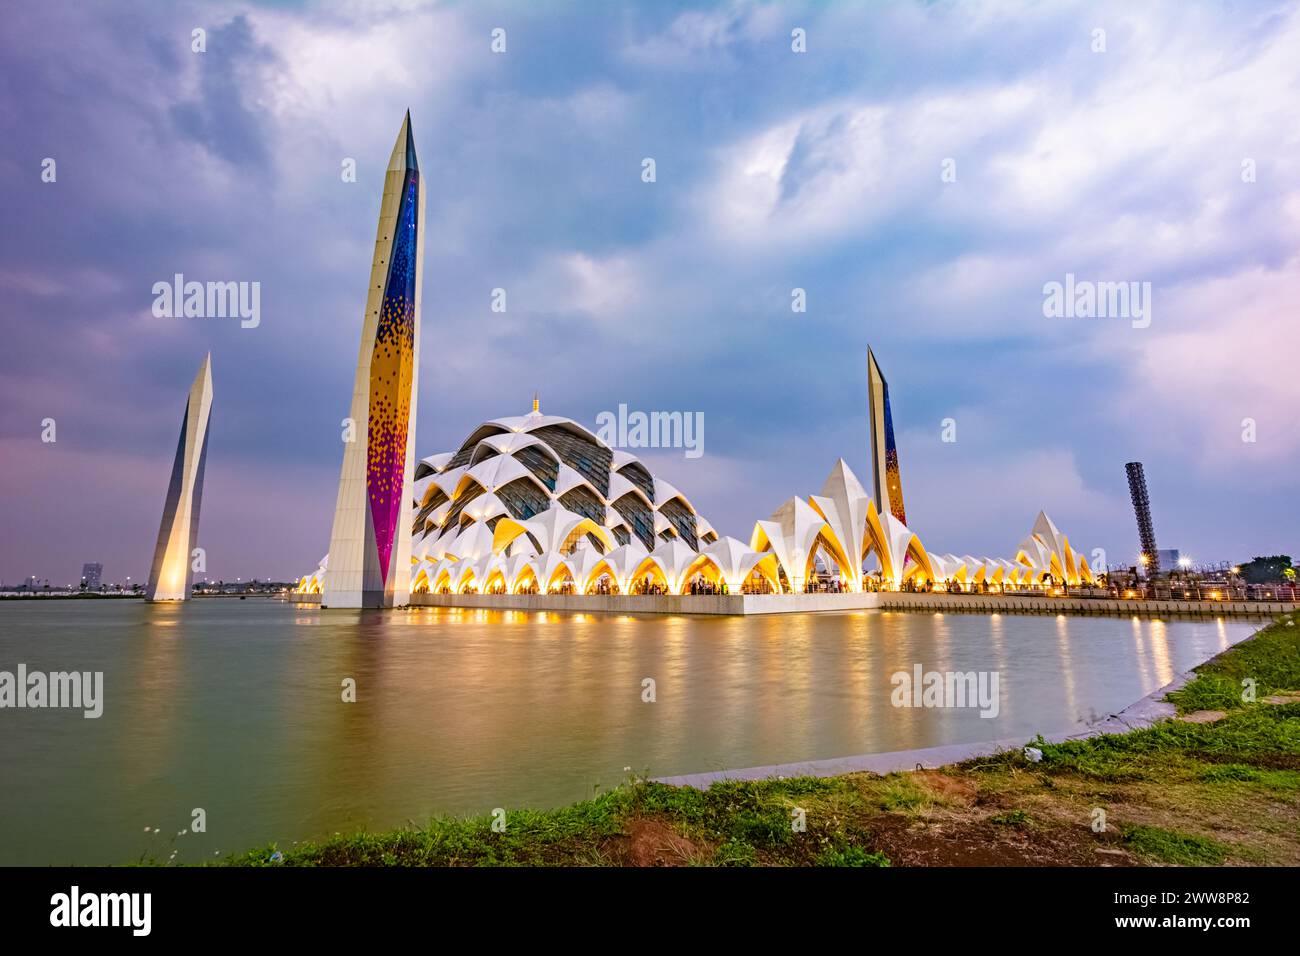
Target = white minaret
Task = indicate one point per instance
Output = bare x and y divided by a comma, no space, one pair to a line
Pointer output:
370,545
171,574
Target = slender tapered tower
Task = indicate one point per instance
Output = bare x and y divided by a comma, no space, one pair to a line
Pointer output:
171,574
370,544
886,480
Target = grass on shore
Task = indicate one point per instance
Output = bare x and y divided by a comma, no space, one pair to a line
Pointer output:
1270,658
1178,793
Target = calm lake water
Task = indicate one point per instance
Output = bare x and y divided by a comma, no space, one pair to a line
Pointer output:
235,707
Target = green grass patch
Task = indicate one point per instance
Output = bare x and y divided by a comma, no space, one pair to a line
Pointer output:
754,812
1012,818
768,827
1271,658
1266,735
850,856
1232,773
902,794
1170,846
531,838
1284,781
1207,692
736,853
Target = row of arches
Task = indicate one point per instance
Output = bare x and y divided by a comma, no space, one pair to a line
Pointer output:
586,572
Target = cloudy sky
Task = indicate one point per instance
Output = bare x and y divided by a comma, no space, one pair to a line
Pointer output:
1164,150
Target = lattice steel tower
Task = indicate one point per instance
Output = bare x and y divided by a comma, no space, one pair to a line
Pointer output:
1137,489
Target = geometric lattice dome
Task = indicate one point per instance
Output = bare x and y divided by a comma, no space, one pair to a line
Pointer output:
522,466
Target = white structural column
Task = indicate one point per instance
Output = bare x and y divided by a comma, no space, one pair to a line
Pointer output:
370,544
171,574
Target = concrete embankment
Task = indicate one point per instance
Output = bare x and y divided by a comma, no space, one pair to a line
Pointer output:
744,604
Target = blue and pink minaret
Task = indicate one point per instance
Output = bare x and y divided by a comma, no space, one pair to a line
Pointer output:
370,544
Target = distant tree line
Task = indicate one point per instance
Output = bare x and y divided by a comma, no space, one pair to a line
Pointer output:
1268,570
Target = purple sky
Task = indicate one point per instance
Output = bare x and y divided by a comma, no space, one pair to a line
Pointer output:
775,170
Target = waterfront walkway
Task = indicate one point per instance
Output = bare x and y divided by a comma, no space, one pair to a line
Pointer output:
746,604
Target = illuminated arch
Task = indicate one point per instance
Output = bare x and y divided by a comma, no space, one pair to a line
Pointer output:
442,579
526,576
420,585
465,578
648,568
560,574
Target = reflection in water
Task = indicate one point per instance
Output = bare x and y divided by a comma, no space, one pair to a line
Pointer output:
155,692
1160,653
997,642
236,707
1064,663
1143,664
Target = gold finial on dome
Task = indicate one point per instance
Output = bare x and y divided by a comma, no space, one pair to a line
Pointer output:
537,403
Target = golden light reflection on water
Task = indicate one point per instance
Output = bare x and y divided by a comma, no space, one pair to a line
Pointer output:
672,675
997,640
1160,656
780,664
942,643
154,693
1143,662
860,704
1066,663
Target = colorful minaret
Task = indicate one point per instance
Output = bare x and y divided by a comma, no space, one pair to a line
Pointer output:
887,482
171,574
370,545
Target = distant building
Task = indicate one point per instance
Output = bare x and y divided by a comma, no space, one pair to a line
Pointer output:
30,584
91,575
1169,558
